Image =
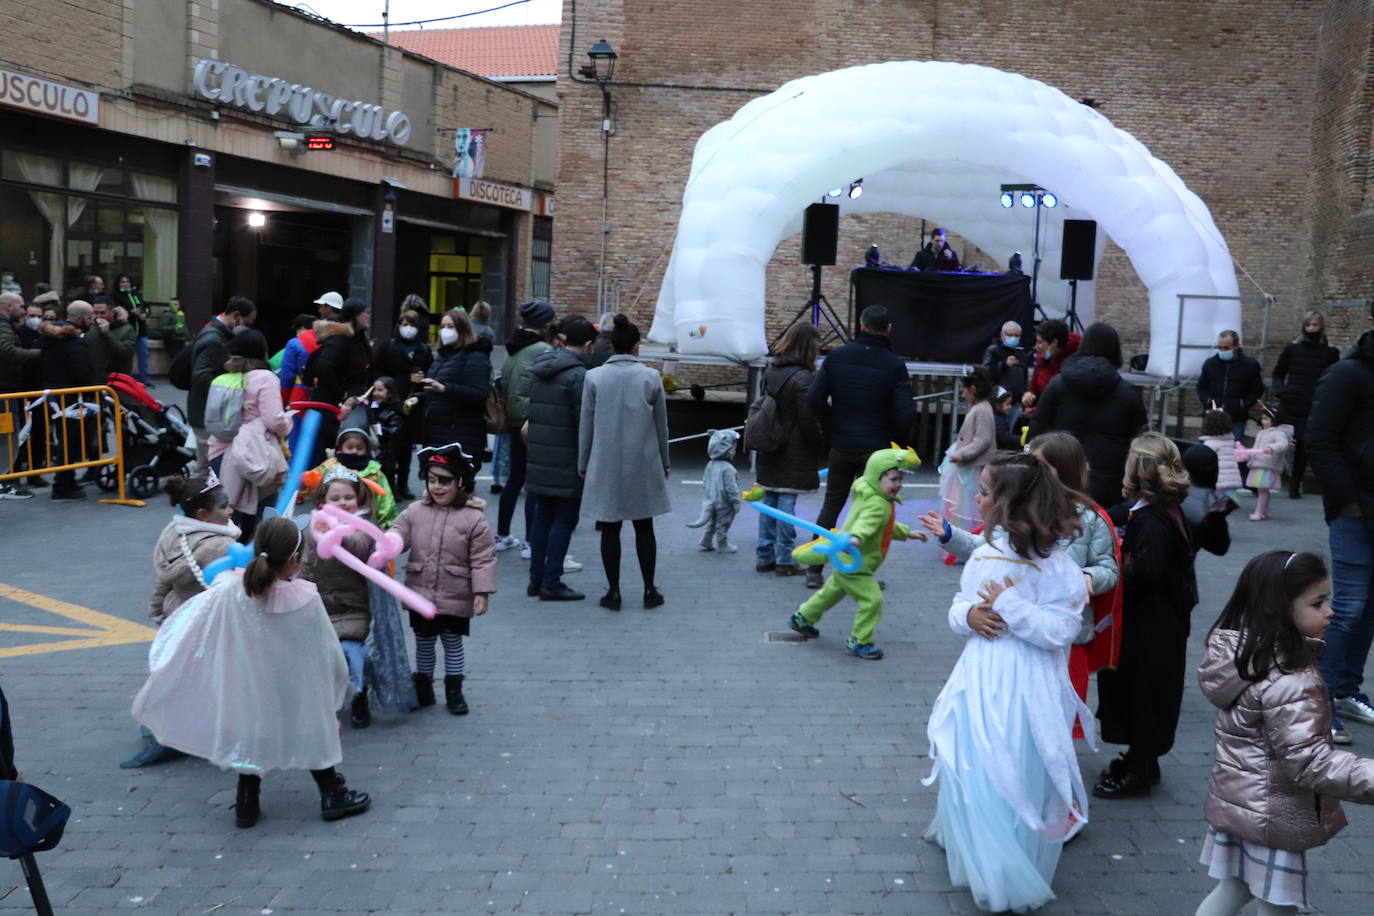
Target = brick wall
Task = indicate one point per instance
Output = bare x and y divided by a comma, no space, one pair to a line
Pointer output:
71,40
1224,92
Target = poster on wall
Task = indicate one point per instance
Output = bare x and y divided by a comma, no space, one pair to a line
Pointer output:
470,152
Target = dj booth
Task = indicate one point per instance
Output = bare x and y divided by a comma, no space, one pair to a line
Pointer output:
943,317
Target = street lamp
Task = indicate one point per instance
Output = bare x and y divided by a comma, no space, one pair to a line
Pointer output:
603,69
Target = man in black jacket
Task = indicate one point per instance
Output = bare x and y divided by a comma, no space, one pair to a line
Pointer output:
65,362
1008,361
208,352
1231,379
1340,444
862,396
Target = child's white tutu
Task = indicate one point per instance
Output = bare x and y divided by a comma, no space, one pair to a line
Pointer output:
958,492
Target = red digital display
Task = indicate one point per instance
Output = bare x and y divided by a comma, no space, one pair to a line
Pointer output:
319,142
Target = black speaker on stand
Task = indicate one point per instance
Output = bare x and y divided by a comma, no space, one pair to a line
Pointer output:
1076,262
820,246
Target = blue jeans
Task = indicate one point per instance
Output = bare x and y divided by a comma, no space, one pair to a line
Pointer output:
355,653
142,350
1352,620
555,518
1238,430
777,538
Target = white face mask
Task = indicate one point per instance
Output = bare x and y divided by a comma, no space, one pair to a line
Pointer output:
448,336
408,331
33,322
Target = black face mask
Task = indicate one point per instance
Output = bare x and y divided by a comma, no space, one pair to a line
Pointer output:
351,461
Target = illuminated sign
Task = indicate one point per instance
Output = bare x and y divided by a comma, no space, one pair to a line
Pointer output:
319,142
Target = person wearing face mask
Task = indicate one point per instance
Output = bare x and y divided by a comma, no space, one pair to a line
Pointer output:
131,298
456,387
208,352
65,362
1231,380
353,450
16,363
338,369
1007,359
1300,364
405,358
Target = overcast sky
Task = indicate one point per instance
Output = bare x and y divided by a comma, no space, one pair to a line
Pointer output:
359,12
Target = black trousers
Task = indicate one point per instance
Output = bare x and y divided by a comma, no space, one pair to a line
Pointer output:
846,464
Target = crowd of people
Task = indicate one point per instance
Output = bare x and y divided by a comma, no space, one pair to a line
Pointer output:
1078,552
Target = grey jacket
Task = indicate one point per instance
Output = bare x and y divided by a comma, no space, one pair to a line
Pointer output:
13,357
1277,779
623,442
554,415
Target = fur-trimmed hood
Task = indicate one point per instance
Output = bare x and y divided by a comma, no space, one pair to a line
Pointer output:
326,328
59,330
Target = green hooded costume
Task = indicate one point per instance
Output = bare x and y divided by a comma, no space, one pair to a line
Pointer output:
872,518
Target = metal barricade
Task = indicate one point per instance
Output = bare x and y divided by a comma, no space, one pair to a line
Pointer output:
61,430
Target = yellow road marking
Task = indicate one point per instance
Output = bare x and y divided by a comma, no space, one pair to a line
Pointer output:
100,629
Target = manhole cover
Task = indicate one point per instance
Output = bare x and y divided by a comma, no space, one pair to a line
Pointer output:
783,636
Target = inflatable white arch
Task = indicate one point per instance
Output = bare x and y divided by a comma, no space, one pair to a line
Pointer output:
753,175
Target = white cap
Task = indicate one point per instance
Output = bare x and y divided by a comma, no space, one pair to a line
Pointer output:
333,300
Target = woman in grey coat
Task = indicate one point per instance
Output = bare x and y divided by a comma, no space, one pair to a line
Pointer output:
623,456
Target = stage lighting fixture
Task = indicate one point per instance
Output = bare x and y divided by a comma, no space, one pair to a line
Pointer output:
1027,200
1007,200
834,192
1049,199
856,189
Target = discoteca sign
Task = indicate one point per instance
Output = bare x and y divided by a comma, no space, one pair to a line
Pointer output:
222,82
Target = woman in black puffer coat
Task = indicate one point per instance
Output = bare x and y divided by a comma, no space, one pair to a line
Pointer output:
1300,364
791,469
1090,400
456,387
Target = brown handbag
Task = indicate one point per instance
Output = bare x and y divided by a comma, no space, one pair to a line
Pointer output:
495,412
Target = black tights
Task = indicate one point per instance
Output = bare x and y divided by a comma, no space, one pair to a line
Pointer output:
251,784
646,548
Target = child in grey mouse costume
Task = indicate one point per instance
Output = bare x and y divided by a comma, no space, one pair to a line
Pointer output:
720,501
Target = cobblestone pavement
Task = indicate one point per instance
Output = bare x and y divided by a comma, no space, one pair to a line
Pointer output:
665,761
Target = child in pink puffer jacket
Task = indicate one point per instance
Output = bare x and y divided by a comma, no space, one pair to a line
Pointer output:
1266,456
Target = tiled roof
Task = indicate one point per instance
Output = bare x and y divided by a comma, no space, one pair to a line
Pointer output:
493,51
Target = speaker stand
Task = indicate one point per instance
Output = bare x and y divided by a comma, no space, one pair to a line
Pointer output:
819,307
1071,316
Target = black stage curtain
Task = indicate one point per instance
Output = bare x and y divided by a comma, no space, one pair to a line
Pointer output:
944,317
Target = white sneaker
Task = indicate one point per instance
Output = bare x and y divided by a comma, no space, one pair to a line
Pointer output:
1356,707
9,491
506,543
570,565
525,551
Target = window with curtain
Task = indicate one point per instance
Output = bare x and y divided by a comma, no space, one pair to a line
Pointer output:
159,236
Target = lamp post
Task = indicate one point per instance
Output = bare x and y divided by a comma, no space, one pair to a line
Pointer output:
603,58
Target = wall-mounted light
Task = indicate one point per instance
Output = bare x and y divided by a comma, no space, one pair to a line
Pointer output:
257,220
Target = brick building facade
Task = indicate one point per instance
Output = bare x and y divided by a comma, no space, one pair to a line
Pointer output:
1262,108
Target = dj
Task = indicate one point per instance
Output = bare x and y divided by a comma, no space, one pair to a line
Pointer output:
936,255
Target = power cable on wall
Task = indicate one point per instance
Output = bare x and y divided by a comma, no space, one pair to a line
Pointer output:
381,25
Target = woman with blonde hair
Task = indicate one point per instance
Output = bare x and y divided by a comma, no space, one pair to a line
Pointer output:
791,467
1140,700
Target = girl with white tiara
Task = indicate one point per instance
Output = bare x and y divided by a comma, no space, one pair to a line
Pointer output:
1001,729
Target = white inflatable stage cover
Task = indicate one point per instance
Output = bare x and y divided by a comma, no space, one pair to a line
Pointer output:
753,176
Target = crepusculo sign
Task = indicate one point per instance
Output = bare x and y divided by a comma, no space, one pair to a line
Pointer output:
20,90
222,82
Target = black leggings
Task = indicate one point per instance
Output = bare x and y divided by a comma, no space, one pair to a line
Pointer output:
323,778
646,547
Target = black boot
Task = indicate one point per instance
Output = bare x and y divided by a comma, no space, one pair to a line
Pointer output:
424,689
338,800
359,715
246,808
453,694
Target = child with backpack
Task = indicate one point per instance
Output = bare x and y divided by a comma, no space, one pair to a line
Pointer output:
246,423
1277,780
720,492
789,442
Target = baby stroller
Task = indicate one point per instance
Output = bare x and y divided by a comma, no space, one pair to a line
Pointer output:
158,442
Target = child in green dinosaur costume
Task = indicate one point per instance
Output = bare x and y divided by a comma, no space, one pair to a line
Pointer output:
872,526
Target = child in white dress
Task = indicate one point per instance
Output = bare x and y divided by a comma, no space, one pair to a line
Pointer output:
1000,732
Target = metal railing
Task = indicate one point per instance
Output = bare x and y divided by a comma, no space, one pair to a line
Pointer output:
44,432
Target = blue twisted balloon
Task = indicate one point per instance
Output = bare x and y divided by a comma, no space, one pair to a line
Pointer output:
838,548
